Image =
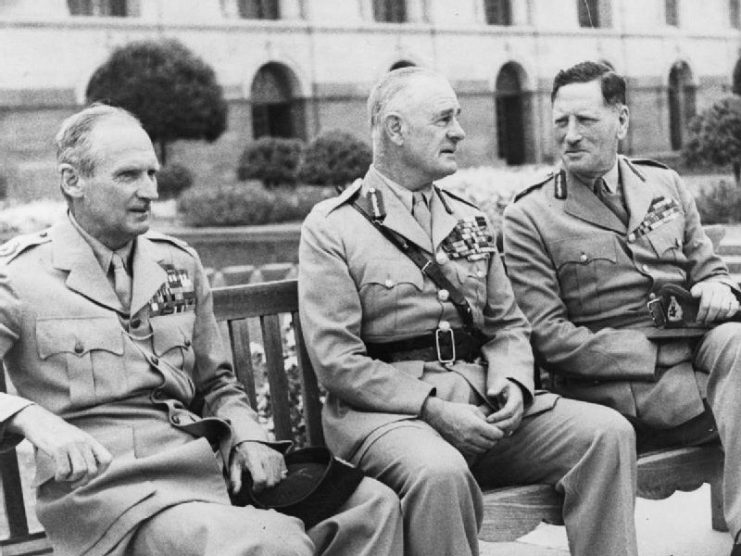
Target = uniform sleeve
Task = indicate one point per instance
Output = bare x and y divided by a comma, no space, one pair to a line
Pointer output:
507,350
330,310
564,347
705,264
223,395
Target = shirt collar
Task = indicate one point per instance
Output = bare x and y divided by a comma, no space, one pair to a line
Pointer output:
405,195
102,253
611,177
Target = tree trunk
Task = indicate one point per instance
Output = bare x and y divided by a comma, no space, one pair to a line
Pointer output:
737,173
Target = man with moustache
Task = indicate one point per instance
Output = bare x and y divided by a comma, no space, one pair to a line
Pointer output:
590,246
412,327
124,388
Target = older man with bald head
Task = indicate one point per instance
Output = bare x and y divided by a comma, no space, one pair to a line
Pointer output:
412,327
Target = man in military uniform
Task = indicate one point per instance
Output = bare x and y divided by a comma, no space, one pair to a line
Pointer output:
108,333
590,246
430,380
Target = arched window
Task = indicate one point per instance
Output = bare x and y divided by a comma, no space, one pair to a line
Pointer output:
513,116
276,111
401,64
258,9
498,12
681,102
104,8
390,11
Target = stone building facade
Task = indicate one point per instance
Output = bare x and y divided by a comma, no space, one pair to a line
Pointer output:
297,67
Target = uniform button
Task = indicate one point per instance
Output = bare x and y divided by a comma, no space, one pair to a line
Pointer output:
79,348
44,234
155,360
175,419
644,267
187,343
389,283
136,323
441,258
652,295
583,257
443,295
444,325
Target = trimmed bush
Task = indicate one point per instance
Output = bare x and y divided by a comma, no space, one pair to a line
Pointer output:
272,160
335,158
172,180
247,204
719,204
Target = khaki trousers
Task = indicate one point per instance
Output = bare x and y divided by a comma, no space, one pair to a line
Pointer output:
586,451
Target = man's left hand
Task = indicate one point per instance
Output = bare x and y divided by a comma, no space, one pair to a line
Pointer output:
509,415
717,301
265,464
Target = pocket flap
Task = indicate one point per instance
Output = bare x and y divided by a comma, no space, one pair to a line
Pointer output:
78,335
581,250
389,273
171,331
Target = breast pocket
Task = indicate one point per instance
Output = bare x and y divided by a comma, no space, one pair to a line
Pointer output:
91,350
583,265
388,293
667,240
172,342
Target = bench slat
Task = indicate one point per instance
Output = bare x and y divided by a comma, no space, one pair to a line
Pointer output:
512,512
255,300
239,338
279,398
310,388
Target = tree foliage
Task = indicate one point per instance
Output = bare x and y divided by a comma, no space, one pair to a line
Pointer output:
172,91
714,136
272,160
335,158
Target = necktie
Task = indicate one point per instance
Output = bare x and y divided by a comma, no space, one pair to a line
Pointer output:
421,212
121,281
613,201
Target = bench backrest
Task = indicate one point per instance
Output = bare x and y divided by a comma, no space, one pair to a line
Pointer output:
269,304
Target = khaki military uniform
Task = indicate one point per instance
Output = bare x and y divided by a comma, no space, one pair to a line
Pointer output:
584,279
357,289
155,388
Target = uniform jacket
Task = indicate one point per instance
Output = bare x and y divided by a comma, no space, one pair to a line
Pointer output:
156,390
584,281
356,287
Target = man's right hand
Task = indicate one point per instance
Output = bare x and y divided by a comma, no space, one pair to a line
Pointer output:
78,457
462,425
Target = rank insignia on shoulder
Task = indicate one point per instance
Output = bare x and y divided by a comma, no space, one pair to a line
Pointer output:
176,295
471,238
559,186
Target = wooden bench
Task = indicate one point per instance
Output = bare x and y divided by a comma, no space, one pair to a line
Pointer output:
259,313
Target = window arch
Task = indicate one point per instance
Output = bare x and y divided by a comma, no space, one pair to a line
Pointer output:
513,116
276,111
682,105
401,64
390,11
498,12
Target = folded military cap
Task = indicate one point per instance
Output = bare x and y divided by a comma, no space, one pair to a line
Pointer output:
316,486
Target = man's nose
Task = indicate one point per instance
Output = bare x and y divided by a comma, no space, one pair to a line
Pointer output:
148,188
456,131
573,134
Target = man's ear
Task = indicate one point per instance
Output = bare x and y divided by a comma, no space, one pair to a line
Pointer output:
70,181
393,127
623,121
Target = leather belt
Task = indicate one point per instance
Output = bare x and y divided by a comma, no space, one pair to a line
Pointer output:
445,345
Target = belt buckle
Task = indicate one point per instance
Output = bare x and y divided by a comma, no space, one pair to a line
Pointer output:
656,309
439,334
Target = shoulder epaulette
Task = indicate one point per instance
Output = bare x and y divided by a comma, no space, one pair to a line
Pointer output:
537,185
458,197
346,194
159,236
14,247
649,162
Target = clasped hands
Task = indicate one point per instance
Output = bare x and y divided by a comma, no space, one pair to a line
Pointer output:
467,428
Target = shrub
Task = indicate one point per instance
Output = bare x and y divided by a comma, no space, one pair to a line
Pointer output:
172,180
272,160
335,158
248,204
719,204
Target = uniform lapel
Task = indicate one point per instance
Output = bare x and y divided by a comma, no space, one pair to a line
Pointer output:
638,194
70,252
398,218
442,221
584,204
148,274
